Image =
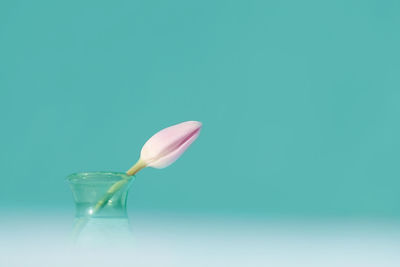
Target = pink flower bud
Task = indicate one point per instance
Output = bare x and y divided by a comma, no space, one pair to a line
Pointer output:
166,146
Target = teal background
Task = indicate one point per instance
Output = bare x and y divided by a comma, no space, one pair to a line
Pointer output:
299,102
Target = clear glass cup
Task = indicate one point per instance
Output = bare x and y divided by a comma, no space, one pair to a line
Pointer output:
95,226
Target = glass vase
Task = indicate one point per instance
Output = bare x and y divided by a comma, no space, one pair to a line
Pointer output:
94,226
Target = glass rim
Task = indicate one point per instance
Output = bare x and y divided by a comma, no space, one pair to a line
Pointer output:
97,177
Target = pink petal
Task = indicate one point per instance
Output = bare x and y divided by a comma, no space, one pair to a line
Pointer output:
166,146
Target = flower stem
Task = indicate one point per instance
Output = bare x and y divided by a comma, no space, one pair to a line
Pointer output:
136,167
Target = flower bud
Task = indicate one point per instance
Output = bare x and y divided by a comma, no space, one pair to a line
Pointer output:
166,146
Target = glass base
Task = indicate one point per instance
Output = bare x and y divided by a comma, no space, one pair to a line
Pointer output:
100,232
